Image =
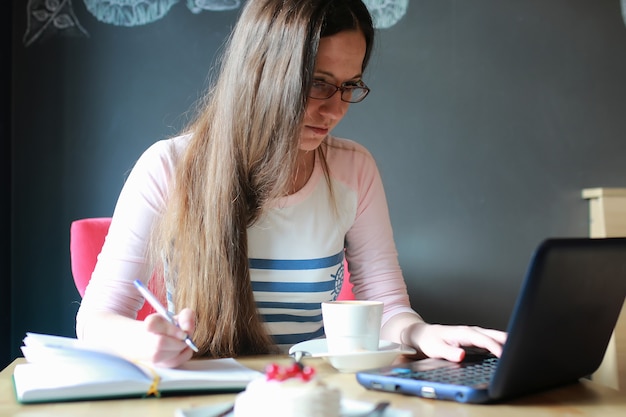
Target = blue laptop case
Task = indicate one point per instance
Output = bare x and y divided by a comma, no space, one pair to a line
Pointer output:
559,330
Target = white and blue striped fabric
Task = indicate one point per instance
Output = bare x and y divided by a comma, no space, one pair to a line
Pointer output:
289,294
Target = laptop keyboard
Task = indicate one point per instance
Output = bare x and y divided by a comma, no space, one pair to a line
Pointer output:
467,374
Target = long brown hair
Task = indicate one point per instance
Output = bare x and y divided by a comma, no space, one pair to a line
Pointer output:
241,155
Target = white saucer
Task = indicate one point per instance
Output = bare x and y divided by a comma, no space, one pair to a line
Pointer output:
349,408
355,361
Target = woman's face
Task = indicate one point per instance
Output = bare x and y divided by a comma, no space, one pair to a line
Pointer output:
339,60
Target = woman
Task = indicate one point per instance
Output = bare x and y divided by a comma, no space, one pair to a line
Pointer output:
246,216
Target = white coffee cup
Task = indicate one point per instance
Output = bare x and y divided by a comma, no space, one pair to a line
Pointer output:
352,325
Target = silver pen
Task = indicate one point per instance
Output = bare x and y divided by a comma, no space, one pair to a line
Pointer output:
154,302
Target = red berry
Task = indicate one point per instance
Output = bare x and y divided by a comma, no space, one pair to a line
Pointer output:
293,370
272,371
307,373
276,372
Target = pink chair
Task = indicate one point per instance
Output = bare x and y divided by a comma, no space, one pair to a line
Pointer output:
346,287
86,240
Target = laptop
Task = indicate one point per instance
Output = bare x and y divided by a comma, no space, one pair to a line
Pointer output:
558,332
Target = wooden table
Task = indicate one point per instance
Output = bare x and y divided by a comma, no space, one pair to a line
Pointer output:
583,399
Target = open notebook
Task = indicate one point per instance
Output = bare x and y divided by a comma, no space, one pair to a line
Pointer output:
558,333
64,369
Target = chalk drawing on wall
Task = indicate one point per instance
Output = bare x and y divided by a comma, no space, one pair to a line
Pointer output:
129,12
49,17
386,13
196,6
142,12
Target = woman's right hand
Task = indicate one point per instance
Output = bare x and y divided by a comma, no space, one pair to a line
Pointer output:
164,343
153,340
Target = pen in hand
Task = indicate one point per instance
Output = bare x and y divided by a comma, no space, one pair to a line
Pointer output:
154,302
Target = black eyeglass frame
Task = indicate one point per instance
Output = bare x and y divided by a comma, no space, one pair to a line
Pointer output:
347,86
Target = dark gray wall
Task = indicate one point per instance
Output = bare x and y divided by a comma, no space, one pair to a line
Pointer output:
487,119
5,187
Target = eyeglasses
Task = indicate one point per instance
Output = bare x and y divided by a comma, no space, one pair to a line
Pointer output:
351,92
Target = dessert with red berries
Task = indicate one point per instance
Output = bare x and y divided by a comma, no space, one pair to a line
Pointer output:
288,391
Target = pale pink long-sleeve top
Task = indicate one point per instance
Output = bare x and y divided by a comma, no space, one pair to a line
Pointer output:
296,249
